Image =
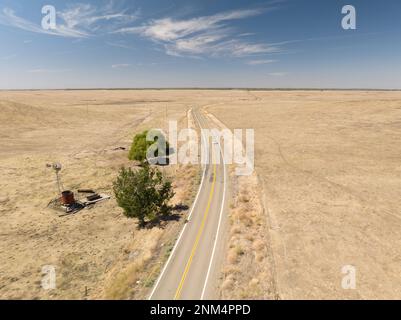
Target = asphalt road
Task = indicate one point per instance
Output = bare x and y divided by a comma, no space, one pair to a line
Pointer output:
191,272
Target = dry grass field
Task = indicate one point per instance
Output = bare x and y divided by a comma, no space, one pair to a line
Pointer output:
329,167
97,253
326,193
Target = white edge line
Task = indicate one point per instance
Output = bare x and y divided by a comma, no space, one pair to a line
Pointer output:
218,227
185,226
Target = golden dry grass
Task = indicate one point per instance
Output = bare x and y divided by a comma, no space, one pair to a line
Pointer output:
247,270
326,195
248,266
328,165
97,253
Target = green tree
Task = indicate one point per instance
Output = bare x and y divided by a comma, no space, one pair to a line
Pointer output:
143,194
140,146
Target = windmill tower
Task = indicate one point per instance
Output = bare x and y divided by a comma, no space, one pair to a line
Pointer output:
57,168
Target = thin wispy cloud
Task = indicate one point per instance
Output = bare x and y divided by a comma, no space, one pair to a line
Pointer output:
260,62
206,35
210,35
120,45
241,49
90,19
9,18
168,29
75,21
246,34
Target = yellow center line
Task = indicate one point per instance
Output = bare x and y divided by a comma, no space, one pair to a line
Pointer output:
200,231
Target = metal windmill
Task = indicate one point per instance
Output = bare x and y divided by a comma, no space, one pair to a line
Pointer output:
57,168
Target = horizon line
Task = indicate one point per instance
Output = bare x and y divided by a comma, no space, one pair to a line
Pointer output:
206,88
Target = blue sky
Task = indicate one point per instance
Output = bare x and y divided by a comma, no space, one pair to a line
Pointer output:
200,43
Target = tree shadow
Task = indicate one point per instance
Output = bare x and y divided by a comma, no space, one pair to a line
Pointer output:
162,221
180,207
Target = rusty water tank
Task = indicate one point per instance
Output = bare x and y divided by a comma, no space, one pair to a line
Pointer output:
67,198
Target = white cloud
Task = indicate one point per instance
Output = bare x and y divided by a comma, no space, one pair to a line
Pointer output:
233,48
9,18
119,45
260,62
168,29
199,44
90,18
208,35
76,21
246,34
241,49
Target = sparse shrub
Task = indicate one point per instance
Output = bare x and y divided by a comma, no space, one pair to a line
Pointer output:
143,194
244,198
239,251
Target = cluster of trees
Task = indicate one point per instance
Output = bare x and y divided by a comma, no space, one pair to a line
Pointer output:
145,193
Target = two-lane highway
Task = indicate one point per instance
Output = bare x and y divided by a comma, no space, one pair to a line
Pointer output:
190,271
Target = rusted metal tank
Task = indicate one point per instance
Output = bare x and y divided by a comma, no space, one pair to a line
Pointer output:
67,198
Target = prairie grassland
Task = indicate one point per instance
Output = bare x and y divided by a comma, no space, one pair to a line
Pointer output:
97,253
328,164
325,193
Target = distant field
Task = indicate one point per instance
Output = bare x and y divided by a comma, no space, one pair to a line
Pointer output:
328,164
